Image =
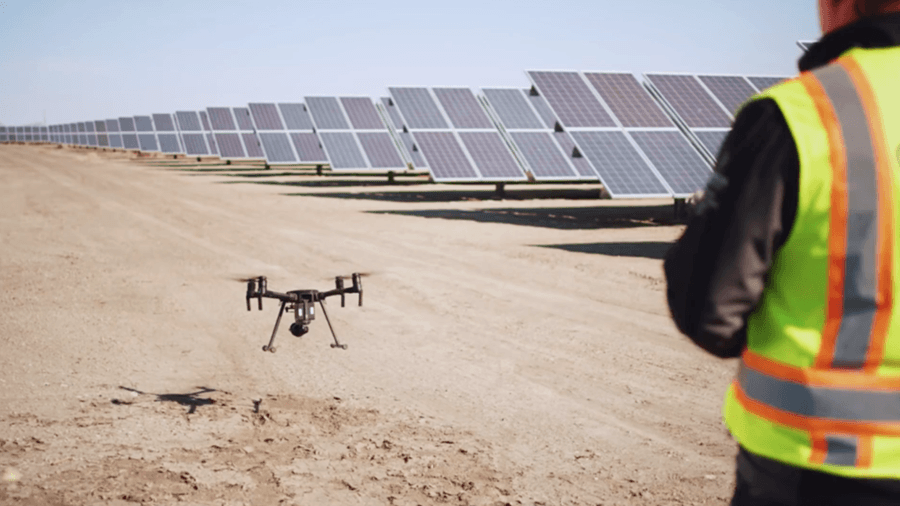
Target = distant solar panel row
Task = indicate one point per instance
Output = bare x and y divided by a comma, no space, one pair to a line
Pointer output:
353,135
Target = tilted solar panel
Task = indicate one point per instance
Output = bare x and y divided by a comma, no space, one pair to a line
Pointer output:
148,142
342,150
362,114
130,141
89,126
418,108
296,117
143,123
622,169
188,121
712,140
194,144
462,108
491,156
732,91
543,155
628,100
229,145
326,113
168,143
112,125
676,161
100,126
308,147
204,118
126,124
513,109
414,153
445,157
115,140
243,118
221,119
380,150
266,117
571,99
103,140
252,145
690,100
763,83
394,115
277,147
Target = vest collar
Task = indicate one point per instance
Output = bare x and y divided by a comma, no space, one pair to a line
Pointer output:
875,32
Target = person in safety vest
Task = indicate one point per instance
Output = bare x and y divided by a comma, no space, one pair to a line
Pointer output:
792,263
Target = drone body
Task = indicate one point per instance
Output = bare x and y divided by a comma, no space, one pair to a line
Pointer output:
303,304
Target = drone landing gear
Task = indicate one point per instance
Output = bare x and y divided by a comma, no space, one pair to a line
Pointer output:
300,328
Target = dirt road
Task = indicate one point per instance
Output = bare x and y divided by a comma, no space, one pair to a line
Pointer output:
509,351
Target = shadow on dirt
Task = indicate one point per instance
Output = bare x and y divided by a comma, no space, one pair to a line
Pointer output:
650,249
191,400
564,218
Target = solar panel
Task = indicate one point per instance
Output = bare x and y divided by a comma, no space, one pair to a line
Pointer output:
266,117
204,118
762,82
308,147
163,123
103,140
491,156
418,109
445,157
342,150
88,127
243,118
296,117
126,124
571,99
362,114
115,140
675,160
112,125
462,108
148,142
221,119
168,143
543,155
513,109
393,114
622,169
380,150
211,142
130,141
415,154
143,123
689,99
327,113
628,100
188,121
253,146
100,126
229,145
194,144
732,91
277,147
712,140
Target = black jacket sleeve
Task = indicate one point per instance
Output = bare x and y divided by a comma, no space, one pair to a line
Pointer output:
716,271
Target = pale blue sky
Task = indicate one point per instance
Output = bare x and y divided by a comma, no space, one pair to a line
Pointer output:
96,59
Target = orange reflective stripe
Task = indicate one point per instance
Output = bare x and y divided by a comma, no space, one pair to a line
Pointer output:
838,378
864,451
837,237
884,299
811,424
819,448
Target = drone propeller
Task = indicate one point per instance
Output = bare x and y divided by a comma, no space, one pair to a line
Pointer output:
361,274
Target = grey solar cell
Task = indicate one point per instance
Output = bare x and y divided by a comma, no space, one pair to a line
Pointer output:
712,139
112,125
692,103
512,108
326,113
103,140
126,124
265,116
362,113
91,139
491,156
628,100
188,121
22,129
229,145
204,118
445,156
463,108
732,91
394,115
296,117
88,126
143,123
308,147
581,164
221,119
148,142
414,153
380,150
163,123
343,152
130,141
115,140
278,147
543,156
622,169
762,83
244,121
571,99
99,126
676,161
194,144
540,105
211,142
417,107
168,143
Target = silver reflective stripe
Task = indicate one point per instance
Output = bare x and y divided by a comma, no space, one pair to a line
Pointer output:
861,264
842,450
836,404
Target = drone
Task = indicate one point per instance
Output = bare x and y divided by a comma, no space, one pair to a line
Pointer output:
303,304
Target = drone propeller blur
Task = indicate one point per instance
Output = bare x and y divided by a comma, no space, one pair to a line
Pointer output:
303,304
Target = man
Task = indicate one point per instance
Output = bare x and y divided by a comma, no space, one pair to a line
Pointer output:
792,262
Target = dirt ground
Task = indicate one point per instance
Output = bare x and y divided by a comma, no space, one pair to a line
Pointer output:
510,351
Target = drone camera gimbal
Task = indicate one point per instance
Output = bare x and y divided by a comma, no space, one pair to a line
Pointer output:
303,304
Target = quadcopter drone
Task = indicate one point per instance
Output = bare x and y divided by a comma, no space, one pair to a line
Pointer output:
303,304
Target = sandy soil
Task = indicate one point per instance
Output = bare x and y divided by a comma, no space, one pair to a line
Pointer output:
514,351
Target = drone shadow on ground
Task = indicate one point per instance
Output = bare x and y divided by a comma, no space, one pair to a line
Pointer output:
191,400
563,218
655,250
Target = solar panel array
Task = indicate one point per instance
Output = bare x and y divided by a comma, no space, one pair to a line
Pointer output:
190,130
455,135
353,134
408,148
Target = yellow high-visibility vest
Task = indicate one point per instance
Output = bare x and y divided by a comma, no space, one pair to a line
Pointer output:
819,382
